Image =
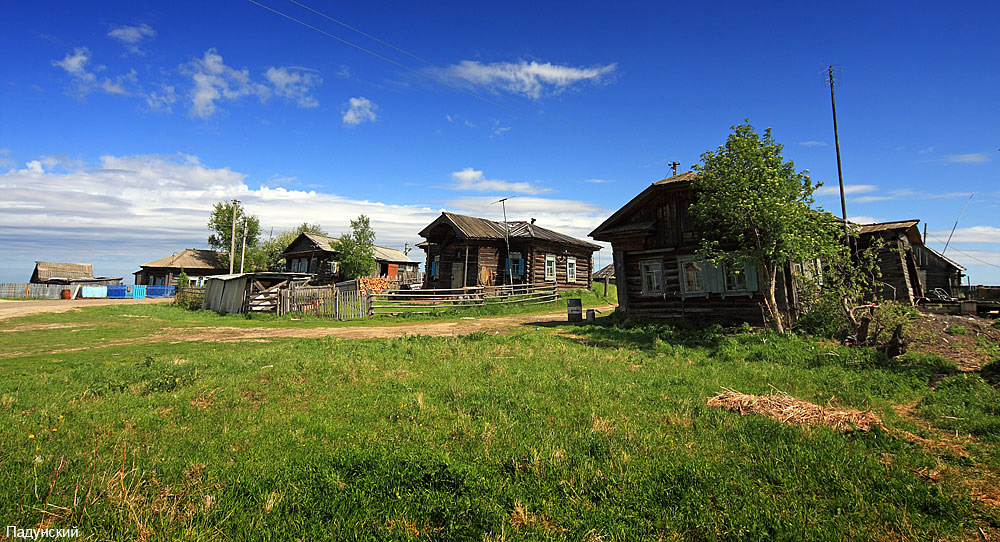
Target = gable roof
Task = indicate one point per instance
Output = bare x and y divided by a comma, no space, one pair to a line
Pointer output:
327,243
56,270
946,259
470,227
681,180
909,227
608,271
192,258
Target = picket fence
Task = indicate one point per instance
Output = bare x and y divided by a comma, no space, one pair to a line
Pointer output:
54,291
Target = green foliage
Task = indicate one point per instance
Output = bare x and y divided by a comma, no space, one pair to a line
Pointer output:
182,297
182,279
220,225
996,324
753,207
956,329
357,258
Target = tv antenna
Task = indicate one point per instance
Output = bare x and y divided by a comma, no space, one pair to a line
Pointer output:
956,224
673,166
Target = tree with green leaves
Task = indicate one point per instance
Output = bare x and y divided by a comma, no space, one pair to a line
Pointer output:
357,257
753,207
220,226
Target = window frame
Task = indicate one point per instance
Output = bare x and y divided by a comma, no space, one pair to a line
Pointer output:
550,258
702,277
643,268
569,278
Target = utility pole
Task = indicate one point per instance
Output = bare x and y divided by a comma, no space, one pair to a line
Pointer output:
243,251
232,240
506,234
673,166
836,143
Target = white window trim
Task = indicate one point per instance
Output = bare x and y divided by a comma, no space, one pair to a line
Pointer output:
642,275
737,292
550,258
704,292
568,277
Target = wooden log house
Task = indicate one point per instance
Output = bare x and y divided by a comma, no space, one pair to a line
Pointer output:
910,269
317,254
654,239
197,264
467,251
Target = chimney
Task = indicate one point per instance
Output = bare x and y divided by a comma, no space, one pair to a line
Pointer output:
532,220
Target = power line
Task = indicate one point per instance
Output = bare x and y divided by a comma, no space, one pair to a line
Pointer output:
966,254
588,133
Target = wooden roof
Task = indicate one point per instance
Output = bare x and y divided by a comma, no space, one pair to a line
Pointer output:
470,227
192,258
56,270
328,244
908,227
611,227
608,271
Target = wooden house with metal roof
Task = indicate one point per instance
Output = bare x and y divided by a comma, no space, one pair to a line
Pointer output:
467,251
317,254
654,242
196,264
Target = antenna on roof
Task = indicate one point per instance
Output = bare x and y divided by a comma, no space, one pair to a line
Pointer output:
956,224
834,76
673,166
506,232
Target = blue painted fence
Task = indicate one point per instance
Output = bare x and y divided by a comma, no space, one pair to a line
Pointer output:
139,291
159,291
119,291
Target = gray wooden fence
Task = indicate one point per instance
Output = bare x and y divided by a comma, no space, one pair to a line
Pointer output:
426,301
325,302
34,291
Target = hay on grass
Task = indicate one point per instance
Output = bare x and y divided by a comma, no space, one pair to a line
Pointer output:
787,409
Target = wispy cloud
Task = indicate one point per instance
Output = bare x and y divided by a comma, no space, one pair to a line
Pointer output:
864,219
908,194
474,180
360,110
968,158
597,181
532,79
213,81
813,143
972,234
131,36
834,189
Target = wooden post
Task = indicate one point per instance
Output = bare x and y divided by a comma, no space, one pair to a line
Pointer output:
606,286
336,304
621,281
465,269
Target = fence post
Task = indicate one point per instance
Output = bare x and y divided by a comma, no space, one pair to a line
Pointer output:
336,304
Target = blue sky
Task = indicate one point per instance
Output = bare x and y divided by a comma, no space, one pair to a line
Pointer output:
121,123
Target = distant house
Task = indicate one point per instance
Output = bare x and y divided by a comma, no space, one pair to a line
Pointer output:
606,272
196,264
910,269
315,254
467,251
654,243
69,273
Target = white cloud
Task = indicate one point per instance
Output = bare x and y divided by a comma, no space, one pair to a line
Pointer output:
597,181
532,79
161,100
972,234
76,65
834,189
131,36
862,219
5,159
908,194
360,110
813,143
132,209
500,130
474,180
969,158
295,83
926,150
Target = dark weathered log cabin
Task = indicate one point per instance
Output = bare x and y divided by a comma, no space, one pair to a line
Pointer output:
69,273
196,264
316,254
467,251
654,239
910,269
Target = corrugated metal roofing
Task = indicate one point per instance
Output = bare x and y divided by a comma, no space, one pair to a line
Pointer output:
192,258
480,228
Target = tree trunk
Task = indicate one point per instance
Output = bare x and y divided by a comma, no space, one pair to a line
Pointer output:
770,278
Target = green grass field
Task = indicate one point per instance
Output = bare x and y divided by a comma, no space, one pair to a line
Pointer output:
560,432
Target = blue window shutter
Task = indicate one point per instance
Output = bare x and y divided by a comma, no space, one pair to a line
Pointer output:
504,263
714,280
434,268
520,266
751,277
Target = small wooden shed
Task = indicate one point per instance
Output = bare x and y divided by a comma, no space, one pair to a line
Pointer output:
81,274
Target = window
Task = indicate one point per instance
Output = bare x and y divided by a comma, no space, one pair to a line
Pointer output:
516,264
736,279
435,266
652,277
550,267
692,276
570,269
300,265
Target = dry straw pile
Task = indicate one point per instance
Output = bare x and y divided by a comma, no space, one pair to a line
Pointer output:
787,409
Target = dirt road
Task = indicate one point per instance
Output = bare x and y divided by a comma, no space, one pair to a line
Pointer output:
11,309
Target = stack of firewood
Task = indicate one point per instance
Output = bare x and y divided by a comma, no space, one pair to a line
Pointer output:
374,284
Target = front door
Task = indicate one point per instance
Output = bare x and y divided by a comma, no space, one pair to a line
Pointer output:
457,274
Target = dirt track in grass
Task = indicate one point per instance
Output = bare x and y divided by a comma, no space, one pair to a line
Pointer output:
449,328
13,309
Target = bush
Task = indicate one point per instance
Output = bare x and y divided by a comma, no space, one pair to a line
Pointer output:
825,318
956,329
991,372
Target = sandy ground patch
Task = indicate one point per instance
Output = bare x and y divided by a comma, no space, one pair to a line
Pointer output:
13,309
